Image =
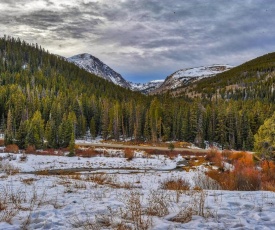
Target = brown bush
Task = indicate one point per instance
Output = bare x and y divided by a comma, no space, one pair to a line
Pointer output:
13,148
268,185
223,178
241,158
268,170
86,152
226,154
215,157
30,149
175,184
246,179
129,154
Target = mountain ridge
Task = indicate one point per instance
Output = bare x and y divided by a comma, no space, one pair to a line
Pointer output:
95,66
187,76
178,79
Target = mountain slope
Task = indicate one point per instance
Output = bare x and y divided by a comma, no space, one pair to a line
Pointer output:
187,76
254,79
146,87
93,65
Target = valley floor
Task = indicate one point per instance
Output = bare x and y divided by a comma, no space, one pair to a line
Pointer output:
116,193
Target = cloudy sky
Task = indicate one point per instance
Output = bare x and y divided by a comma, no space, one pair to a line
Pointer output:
146,39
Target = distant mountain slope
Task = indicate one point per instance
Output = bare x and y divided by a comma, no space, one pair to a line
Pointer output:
93,65
253,79
186,76
146,87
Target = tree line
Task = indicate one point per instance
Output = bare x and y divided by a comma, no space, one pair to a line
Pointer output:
48,102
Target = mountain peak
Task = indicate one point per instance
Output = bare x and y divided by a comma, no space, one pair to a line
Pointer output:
95,66
186,76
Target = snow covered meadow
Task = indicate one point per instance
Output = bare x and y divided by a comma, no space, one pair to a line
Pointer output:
118,193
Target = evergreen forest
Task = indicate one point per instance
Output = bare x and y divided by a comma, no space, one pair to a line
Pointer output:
48,102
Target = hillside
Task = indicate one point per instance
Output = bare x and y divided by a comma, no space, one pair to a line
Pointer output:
44,96
93,65
185,77
47,102
252,80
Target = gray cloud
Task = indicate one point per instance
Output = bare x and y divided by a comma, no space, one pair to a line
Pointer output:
146,38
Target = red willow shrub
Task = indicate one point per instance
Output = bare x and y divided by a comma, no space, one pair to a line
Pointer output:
215,157
245,176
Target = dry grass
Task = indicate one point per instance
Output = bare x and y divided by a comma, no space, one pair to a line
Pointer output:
28,181
175,184
134,212
79,185
195,206
8,168
125,185
158,203
99,178
11,202
203,181
59,172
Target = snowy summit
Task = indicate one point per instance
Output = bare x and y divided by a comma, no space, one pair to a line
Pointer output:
93,65
185,76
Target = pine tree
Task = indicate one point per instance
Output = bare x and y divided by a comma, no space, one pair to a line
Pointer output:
72,145
9,135
35,134
93,128
22,133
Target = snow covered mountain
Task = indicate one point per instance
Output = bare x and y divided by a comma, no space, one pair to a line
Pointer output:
178,79
97,67
146,87
186,76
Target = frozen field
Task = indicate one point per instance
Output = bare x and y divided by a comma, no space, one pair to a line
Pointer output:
122,194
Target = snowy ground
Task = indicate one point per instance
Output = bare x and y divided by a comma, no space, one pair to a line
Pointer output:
122,199
39,163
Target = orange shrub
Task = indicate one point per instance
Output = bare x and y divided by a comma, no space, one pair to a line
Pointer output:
30,149
227,155
129,154
268,185
214,156
245,175
235,156
13,148
246,179
268,170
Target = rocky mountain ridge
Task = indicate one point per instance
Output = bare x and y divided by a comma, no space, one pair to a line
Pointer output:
93,65
176,80
187,76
